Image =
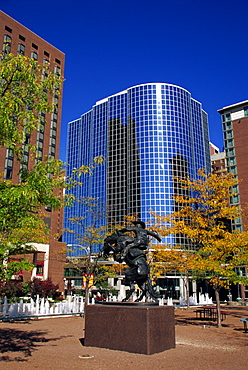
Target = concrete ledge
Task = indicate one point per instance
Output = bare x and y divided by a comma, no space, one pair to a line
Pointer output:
137,329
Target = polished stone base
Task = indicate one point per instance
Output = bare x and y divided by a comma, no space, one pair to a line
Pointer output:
138,329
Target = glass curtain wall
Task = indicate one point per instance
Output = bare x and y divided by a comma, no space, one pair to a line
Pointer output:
148,134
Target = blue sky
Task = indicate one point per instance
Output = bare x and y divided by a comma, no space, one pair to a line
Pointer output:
111,45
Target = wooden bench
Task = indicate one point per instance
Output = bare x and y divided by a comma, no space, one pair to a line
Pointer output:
209,313
206,313
245,324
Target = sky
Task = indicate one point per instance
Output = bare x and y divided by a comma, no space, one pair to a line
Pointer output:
111,45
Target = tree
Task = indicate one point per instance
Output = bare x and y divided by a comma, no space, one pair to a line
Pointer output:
21,221
11,289
89,236
205,211
43,288
21,217
173,259
25,91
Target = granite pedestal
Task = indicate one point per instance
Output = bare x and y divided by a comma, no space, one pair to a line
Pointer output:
139,329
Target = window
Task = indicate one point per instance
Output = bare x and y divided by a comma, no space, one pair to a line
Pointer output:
231,161
52,142
229,152
47,222
46,54
234,199
9,164
228,134
34,46
40,137
229,143
7,44
246,111
21,48
57,61
39,268
226,117
22,38
8,173
8,29
45,69
52,151
34,55
57,70
78,283
48,208
233,169
227,125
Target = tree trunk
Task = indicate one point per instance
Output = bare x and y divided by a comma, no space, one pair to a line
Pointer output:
186,283
217,296
86,291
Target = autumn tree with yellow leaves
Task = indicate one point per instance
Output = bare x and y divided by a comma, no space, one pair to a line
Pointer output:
202,216
164,260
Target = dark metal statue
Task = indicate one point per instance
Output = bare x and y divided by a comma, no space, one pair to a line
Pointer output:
131,250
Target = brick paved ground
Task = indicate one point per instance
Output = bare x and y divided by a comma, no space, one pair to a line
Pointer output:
56,343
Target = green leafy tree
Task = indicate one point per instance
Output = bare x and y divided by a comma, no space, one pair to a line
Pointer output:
21,217
25,91
202,219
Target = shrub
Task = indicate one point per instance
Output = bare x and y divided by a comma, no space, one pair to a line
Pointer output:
43,288
11,289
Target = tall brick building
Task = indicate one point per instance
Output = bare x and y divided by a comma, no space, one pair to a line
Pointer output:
235,130
17,39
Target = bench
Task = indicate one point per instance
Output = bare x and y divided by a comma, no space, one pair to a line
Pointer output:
205,313
209,313
245,324
223,315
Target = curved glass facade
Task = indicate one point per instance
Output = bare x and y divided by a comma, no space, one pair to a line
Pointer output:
149,134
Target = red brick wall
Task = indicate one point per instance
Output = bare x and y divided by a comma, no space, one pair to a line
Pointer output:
240,132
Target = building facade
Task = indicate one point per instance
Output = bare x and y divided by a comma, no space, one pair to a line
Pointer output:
218,160
149,134
17,39
235,130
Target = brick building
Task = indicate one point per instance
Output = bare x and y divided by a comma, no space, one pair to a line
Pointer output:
235,129
17,39
218,160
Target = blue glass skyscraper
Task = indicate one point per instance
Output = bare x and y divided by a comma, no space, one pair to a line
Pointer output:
149,134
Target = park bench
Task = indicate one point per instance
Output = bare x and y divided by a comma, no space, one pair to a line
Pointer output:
209,313
245,324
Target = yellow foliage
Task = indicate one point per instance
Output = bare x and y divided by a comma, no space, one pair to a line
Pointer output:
201,218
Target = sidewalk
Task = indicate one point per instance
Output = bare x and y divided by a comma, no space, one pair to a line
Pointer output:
56,343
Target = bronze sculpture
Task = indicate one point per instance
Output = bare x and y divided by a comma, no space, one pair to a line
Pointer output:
129,249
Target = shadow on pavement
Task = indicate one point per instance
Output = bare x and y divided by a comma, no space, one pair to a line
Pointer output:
21,343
